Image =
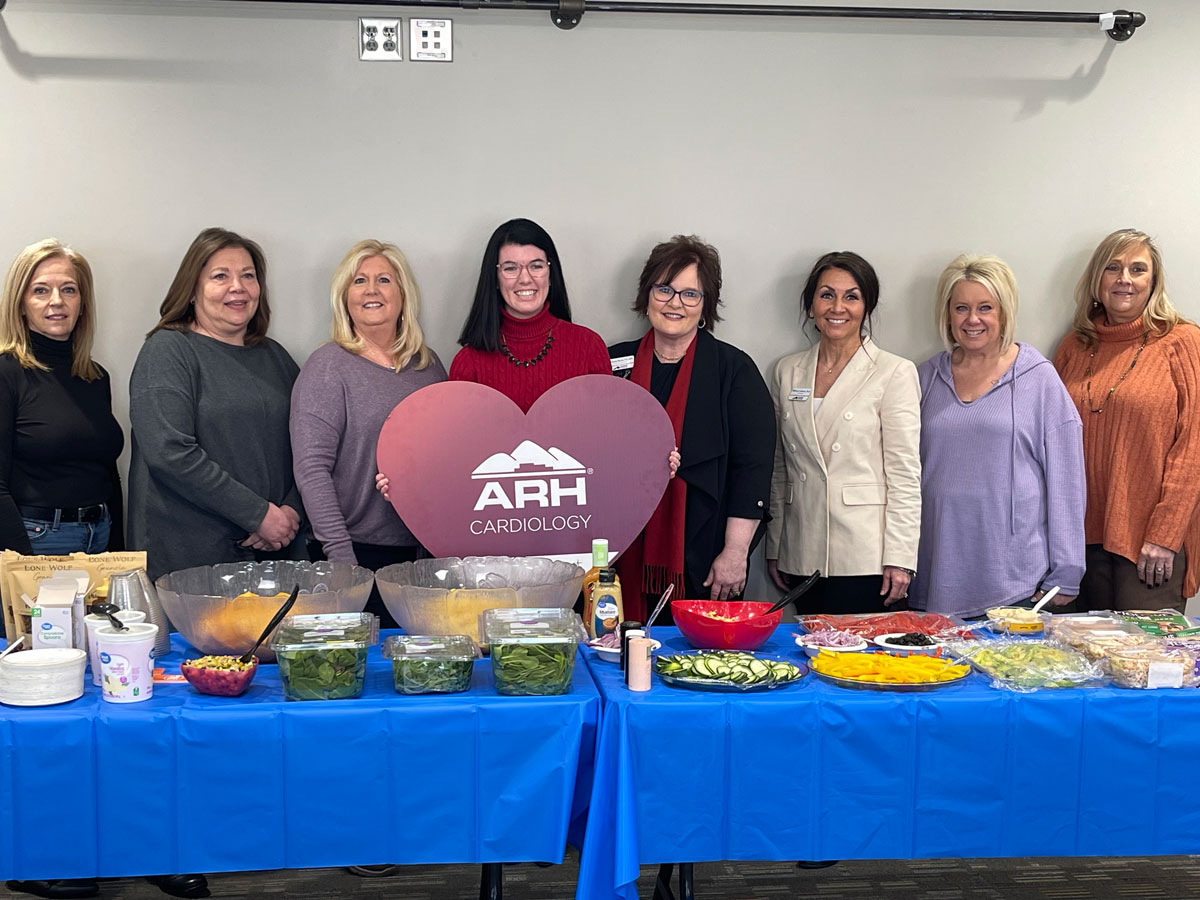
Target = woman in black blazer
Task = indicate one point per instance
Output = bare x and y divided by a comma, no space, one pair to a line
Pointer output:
712,514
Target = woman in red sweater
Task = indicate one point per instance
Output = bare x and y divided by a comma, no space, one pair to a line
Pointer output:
518,337
1132,366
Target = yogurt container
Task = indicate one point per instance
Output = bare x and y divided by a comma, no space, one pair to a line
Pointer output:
126,670
94,621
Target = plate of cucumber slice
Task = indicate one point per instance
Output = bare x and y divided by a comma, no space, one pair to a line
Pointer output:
734,671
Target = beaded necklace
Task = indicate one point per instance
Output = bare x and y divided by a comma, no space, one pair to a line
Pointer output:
526,363
1112,390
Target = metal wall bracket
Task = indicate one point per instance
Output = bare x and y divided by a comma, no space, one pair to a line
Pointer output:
1124,24
567,14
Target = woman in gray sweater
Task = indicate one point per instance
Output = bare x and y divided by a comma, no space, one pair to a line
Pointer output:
210,477
345,391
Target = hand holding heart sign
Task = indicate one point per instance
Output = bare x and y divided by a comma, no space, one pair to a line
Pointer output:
471,475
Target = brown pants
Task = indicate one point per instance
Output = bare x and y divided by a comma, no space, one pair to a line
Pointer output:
1111,582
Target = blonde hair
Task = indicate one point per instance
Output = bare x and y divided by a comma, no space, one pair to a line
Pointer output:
14,329
410,340
1159,316
995,275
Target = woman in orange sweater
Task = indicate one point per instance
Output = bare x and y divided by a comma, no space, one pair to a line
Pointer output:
1132,366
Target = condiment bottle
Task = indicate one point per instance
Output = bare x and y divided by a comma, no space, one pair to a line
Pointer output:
626,636
637,675
623,631
599,564
607,607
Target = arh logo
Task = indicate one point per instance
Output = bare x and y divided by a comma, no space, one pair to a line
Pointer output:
521,469
473,475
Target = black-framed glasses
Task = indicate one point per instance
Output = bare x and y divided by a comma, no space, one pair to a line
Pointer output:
536,269
664,294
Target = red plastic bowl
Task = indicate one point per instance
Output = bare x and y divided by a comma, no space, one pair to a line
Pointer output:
749,632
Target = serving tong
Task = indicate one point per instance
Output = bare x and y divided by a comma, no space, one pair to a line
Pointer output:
795,593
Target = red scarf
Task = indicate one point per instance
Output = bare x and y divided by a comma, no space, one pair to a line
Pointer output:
655,558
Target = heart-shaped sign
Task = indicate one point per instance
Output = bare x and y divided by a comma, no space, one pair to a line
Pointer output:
471,475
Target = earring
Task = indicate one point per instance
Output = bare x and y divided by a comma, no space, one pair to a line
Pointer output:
702,323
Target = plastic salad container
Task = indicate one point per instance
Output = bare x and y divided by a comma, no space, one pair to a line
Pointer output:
1154,667
1026,665
431,664
533,650
324,657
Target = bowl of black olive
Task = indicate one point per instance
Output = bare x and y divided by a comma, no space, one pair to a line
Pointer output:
908,644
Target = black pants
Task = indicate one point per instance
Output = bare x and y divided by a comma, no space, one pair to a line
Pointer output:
843,595
1111,582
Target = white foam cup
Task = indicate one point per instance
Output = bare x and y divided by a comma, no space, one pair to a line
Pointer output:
126,670
94,621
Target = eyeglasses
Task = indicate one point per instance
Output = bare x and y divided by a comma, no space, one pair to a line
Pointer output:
664,294
536,269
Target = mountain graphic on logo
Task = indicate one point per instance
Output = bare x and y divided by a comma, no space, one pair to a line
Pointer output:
528,459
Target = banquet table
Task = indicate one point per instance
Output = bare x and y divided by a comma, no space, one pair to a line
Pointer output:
184,782
816,771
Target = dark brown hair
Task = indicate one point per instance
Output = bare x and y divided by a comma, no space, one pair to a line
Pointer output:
177,312
857,268
670,258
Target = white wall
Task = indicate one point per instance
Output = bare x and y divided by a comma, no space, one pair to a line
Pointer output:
129,126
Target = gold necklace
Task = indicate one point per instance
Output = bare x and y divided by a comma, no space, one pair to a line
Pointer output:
1112,390
828,369
669,359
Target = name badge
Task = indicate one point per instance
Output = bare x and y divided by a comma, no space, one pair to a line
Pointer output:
621,363
800,394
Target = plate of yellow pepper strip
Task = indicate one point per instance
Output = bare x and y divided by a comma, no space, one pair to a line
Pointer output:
884,672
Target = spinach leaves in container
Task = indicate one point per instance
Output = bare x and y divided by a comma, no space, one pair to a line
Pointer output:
431,664
324,657
533,650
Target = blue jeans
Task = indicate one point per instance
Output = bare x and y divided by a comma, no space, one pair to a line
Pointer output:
51,538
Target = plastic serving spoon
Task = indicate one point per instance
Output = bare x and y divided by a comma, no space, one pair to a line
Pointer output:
662,601
1046,598
795,593
13,646
110,610
275,620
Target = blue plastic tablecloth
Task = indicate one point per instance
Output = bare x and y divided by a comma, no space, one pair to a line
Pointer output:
817,771
188,783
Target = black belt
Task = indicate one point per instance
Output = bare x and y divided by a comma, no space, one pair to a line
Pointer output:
85,514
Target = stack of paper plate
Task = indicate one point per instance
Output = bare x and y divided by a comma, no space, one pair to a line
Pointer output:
42,677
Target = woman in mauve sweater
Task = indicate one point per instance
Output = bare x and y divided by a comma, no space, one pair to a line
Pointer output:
1002,486
341,399
518,337
1132,366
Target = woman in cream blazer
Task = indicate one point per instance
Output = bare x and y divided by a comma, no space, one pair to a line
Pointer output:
846,489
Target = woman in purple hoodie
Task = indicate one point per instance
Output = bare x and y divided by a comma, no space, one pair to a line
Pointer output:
1002,481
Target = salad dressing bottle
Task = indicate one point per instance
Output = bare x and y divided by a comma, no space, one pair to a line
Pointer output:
607,608
599,563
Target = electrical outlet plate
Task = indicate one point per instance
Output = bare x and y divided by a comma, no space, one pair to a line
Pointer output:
379,40
430,40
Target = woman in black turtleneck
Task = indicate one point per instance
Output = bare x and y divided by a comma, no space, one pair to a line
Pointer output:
59,443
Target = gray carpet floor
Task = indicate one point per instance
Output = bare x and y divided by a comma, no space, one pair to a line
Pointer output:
1139,878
